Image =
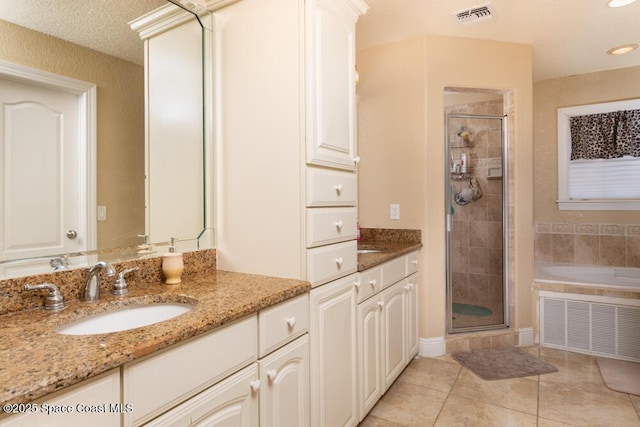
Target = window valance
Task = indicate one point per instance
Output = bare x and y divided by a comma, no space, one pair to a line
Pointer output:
605,135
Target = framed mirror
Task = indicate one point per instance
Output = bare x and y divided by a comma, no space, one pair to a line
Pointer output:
87,43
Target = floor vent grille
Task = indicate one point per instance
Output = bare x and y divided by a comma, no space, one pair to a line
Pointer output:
593,328
475,14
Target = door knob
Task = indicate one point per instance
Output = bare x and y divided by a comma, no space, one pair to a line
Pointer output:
72,234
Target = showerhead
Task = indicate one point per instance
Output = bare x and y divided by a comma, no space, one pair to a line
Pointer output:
464,134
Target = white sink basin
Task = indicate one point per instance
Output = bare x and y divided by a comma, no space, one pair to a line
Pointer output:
130,317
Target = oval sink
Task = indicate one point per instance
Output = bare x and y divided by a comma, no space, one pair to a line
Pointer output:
369,249
130,317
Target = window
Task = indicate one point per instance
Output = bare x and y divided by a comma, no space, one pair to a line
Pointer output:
602,183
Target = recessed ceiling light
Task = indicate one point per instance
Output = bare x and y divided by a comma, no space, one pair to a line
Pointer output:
621,50
619,3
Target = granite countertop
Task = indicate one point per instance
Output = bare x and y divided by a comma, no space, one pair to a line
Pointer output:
388,251
35,360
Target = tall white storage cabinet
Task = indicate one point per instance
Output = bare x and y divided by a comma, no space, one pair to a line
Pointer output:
286,157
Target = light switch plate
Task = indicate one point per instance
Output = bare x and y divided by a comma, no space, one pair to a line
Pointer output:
102,213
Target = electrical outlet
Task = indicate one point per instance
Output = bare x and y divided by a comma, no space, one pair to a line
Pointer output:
394,211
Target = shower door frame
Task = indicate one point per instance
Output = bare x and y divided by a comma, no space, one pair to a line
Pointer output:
506,321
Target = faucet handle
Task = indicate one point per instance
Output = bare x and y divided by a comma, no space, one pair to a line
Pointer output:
120,286
54,300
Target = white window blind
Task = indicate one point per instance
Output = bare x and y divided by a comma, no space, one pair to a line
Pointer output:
604,179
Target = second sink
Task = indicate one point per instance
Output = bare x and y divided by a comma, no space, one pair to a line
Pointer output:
130,317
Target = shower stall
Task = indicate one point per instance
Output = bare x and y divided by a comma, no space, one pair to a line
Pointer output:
476,214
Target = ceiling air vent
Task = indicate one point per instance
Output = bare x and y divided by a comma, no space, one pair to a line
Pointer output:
475,14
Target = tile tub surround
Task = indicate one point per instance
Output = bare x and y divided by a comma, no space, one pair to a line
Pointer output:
595,244
35,360
14,298
395,243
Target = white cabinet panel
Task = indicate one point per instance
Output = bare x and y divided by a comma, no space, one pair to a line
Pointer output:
101,393
282,323
369,282
369,354
332,354
156,383
233,402
394,271
413,342
330,262
327,187
330,225
284,391
394,324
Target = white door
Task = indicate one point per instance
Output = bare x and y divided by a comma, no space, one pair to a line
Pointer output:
42,188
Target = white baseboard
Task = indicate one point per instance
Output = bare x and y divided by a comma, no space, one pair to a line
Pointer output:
525,336
432,347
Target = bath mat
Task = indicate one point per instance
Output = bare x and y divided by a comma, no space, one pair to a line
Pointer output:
620,375
503,363
470,309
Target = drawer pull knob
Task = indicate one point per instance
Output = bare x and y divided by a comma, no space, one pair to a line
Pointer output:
291,322
381,305
272,374
255,385
373,283
338,188
356,159
408,287
414,262
339,261
357,285
339,224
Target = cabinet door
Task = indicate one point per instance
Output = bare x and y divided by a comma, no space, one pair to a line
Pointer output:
284,395
332,354
330,37
412,315
369,354
230,403
394,324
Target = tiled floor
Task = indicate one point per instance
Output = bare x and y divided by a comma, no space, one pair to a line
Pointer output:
440,392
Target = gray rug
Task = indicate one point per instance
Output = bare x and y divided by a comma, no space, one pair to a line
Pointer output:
620,375
503,363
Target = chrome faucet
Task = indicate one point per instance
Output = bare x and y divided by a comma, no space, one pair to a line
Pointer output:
91,288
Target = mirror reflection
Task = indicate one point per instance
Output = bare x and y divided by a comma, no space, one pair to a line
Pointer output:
82,186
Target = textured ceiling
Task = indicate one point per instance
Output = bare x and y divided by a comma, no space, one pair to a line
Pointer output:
97,24
568,36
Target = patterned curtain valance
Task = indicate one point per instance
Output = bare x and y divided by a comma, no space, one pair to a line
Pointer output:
605,135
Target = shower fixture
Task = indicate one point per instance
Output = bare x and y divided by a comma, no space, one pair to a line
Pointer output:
464,134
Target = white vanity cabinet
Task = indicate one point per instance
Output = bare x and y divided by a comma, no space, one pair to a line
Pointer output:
387,319
95,402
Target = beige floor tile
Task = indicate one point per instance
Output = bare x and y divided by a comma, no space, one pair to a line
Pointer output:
582,376
409,405
543,422
636,403
520,394
460,411
566,355
431,373
583,408
371,421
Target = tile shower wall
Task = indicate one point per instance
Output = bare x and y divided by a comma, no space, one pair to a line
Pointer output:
595,244
476,238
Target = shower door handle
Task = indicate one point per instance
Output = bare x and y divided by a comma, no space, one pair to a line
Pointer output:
449,223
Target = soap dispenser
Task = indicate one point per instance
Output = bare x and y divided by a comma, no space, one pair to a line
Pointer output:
172,265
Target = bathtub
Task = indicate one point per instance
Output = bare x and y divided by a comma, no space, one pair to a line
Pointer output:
589,309
589,275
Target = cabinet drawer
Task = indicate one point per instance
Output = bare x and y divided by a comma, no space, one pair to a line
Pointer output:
369,283
282,323
330,225
327,263
156,383
412,263
394,271
331,188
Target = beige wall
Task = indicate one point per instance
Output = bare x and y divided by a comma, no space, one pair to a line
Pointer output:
549,95
120,122
401,143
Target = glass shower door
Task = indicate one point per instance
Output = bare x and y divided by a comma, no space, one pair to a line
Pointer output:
476,273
